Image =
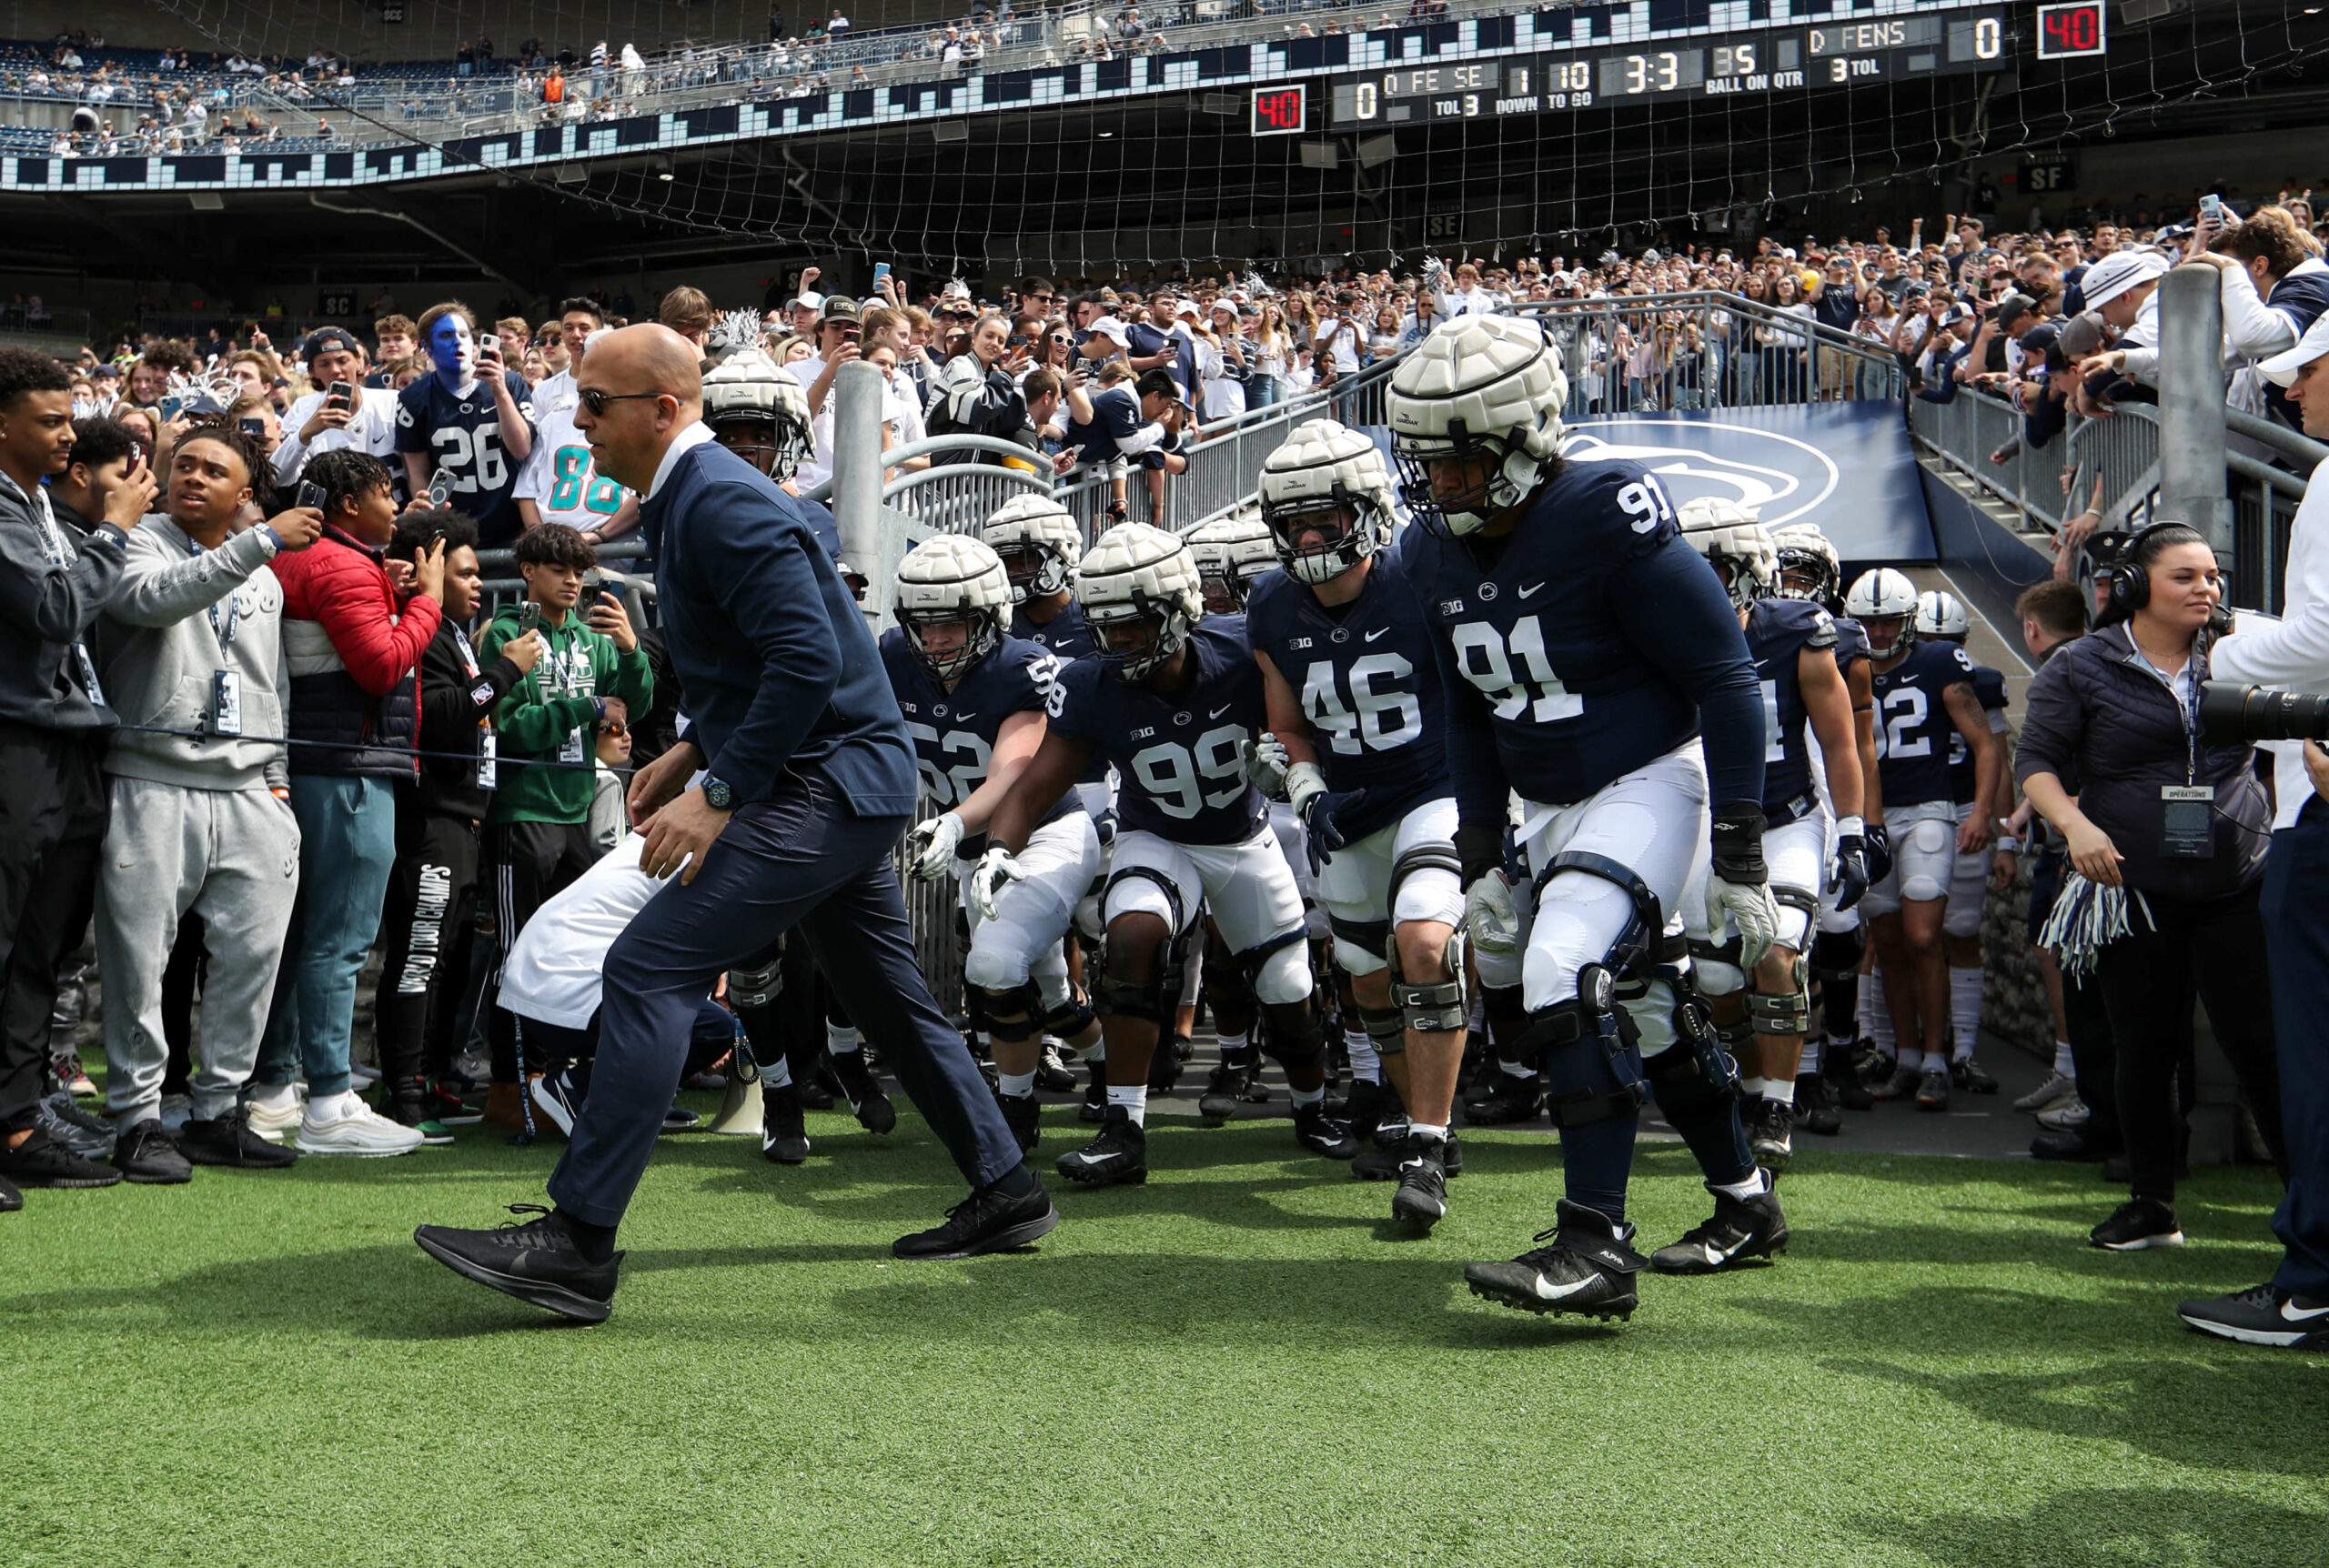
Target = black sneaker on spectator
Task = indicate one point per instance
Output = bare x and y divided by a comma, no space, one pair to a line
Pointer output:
229,1141
1024,1116
2263,1315
41,1160
1932,1091
2136,1226
145,1154
867,1101
449,1108
678,1118
1971,1077
1815,1105
90,1137
558,1096
784,1135
1094,1107
536,1261
986,1221
1899,1082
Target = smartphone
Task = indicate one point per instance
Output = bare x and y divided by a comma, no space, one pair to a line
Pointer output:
340,395
530,617
310,493
170,407
440,489
849,334
881,275
488,342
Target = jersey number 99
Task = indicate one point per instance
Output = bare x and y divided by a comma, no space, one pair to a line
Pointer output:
1172,775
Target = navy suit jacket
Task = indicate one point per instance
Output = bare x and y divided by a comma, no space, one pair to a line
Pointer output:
779,669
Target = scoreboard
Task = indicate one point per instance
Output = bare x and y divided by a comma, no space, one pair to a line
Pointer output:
1743,65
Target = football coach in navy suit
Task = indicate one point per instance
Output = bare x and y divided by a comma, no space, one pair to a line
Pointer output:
808,783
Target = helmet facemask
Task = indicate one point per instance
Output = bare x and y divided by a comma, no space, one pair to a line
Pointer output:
1168,628
1504,472
1349,527
1035,571
980,628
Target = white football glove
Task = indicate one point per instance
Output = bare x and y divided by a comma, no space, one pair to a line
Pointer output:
932,845
1491,920
997,871
1267,761
1752,913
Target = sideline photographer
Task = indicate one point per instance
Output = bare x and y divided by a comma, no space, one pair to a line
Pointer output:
2291,1309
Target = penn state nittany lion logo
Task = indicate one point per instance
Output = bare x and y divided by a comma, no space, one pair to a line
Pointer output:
1785,477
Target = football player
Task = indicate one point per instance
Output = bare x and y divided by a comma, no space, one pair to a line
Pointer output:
1763,1019
1233,553
759,413
1941,617
974,702
1584,649
1922,689
1355,709
469,420
1174,704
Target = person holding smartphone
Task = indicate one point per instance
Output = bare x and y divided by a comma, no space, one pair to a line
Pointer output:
472,419
978,392
339,414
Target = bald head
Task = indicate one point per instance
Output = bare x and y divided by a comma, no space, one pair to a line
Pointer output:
641,388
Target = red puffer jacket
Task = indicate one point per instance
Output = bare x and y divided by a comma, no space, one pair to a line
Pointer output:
352,652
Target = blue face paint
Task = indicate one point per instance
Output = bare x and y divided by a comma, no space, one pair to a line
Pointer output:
453,350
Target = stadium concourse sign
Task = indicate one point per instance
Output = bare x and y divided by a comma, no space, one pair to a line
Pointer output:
1847,467
1668,38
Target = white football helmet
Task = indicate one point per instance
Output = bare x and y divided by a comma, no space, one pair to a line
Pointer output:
1941,615
1488,388
1039,542
1807,564
1137,575
1736,544
1329,480
953,579
1885,598
747,390
1231,552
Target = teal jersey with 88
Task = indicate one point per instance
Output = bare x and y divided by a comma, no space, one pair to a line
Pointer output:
561,481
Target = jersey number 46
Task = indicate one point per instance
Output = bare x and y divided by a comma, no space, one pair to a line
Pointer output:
1374,721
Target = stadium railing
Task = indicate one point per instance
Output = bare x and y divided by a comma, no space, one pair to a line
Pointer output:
1730,370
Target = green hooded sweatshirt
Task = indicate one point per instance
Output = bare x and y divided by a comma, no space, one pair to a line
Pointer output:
553,708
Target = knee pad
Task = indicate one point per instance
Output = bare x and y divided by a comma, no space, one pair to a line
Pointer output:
1293,1049
1432,1004
1714,967
1147,1001
756,988
1926,855
1386,1026
1838,952
1278,970
1694,1079
1359,944
1593,1065
1437,894
1643,936
1963,917
1792,901
1783,1012
1009,1013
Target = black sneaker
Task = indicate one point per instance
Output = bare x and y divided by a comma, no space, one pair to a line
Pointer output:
1322,1134
145,1154
1053,1075
1224,1086
1421,1197
2265,1315
41,1160
1588,1268
449,1109
1971,1077
867,1101
229,1141
986,1221
1509,1099
1816,1109
1738,1231
1368,1106
785,1138
1119,1154
1770,1134
1094,1107
90,1137
817,1091
535,1261
2137,1226
10,1199
1024,1117
1164,1063
1837,1066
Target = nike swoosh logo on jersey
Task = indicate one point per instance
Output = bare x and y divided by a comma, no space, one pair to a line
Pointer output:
1906,680
1219,712
1524,593
2296,1314
1372,635
959,717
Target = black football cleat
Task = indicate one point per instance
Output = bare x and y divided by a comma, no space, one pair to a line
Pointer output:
1588,1268
1738,1233
1421,1197
1837,1066
986,1221
1322,1134
1971,1077
1770,1133
1368,1106
867,1101
1509,1101
1165,1062
1225,1087
1815,1106
536,1261
1053,1075
1383,1161
784,1134
1023,1116
1094,1107
1118,1156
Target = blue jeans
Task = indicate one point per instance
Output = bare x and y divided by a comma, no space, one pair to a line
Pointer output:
1261,391
347,844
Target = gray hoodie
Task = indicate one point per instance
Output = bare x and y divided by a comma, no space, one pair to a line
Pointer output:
46,605
160,649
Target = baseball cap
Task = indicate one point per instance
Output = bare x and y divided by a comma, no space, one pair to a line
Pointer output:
328,338
2119,272
1109,327
2013,308
2081,334
1187,308
810,300
837,307
2281,369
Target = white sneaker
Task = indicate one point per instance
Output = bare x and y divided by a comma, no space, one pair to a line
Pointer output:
176,1110
274,1112
344,1124
2069,1115
2055,1086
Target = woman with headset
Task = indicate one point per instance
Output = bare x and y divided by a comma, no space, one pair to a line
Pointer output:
2111,755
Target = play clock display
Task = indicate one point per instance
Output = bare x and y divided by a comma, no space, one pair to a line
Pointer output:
1281,111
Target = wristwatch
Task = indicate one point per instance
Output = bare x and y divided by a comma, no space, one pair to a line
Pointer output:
718,795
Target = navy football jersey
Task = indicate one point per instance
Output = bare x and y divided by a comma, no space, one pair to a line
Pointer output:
462,435
954,732
1778,631
1066,634
1584,643
1851,642
1989,690
1367,681
1183,777
1912,723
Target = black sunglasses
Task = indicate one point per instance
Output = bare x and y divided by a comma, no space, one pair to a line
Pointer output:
596,401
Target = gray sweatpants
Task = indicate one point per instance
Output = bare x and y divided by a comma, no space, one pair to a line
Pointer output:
230,856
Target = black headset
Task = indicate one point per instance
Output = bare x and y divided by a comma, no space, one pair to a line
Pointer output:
2126,581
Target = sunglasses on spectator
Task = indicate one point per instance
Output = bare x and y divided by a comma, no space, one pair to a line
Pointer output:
596,401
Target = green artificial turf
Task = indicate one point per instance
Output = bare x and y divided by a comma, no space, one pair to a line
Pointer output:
1238,1364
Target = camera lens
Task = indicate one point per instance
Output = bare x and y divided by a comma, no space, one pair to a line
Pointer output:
2233,713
